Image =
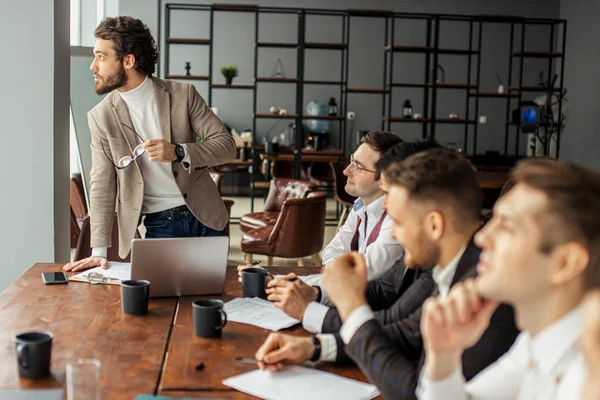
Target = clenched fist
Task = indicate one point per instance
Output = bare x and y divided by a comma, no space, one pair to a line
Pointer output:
160,150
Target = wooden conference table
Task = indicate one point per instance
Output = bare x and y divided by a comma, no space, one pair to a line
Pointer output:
153,354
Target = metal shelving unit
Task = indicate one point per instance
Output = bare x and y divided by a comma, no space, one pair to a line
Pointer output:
431,48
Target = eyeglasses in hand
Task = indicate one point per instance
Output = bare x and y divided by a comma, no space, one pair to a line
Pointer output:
127,160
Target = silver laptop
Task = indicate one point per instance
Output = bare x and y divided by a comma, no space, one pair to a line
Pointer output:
181,266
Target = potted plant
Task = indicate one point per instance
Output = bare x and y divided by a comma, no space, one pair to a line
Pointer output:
229,72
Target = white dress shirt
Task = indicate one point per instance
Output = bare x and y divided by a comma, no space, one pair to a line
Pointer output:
548,366
160,189
379,256
442,277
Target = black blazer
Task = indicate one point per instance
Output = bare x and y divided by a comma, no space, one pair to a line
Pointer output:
393,297
392,356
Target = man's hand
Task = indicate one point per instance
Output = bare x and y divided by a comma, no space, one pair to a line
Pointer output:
86,263
281,349
291,295
345,281
160,150
453,324
240,268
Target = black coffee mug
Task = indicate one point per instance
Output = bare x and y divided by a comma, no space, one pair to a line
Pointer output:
33,351
209,318
254,282
134,297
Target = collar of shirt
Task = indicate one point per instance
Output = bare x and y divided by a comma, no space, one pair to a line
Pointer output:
374,210
549,347
443,276
140,94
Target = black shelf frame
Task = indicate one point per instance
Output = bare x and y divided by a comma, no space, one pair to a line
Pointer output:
516,57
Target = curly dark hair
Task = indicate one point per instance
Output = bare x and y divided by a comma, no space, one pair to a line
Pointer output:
130,36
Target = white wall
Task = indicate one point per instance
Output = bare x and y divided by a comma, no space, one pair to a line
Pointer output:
34,167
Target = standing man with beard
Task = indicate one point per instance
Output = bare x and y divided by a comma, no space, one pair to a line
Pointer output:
145,157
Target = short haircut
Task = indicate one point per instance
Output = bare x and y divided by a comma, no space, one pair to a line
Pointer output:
130,36
442,177
402,151
573,209
381,141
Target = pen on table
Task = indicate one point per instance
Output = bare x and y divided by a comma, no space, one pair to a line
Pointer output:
249,360
246,360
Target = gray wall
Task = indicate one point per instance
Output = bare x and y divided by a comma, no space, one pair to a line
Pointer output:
34,109
234,44
581,140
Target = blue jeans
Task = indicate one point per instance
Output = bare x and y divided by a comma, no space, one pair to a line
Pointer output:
178,225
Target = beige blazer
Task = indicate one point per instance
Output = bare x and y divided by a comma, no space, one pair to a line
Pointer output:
183,116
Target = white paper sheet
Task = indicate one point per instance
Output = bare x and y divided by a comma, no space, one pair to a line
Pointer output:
299,383
258,312
116,270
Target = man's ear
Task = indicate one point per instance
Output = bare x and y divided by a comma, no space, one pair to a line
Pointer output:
129,61
435,224
570,261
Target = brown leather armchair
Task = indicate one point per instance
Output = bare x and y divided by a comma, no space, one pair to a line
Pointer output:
84,247
298,232
341,196
279,191
79,208
77,197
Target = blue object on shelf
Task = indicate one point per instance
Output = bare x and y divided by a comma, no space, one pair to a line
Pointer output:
316,125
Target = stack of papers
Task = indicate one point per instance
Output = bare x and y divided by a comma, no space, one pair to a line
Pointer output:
116,271
299,383
258,312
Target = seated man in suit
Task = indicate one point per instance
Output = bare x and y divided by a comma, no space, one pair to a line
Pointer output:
435,202
540,254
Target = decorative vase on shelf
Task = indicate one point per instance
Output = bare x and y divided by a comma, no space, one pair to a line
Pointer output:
188,66
229,80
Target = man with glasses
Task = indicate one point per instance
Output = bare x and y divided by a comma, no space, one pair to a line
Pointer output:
367,231
146,159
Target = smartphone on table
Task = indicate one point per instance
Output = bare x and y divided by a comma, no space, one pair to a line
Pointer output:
54,278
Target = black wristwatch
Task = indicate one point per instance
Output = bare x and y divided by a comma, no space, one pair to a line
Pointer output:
317,352
179,152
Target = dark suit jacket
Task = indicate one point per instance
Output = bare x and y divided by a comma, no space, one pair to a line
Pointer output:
393,297
392,355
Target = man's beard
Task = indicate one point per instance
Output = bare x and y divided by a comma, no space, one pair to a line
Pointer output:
115,81
427,257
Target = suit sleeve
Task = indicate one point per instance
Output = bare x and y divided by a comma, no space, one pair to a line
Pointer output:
217,146
103,187
406,300
388,362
